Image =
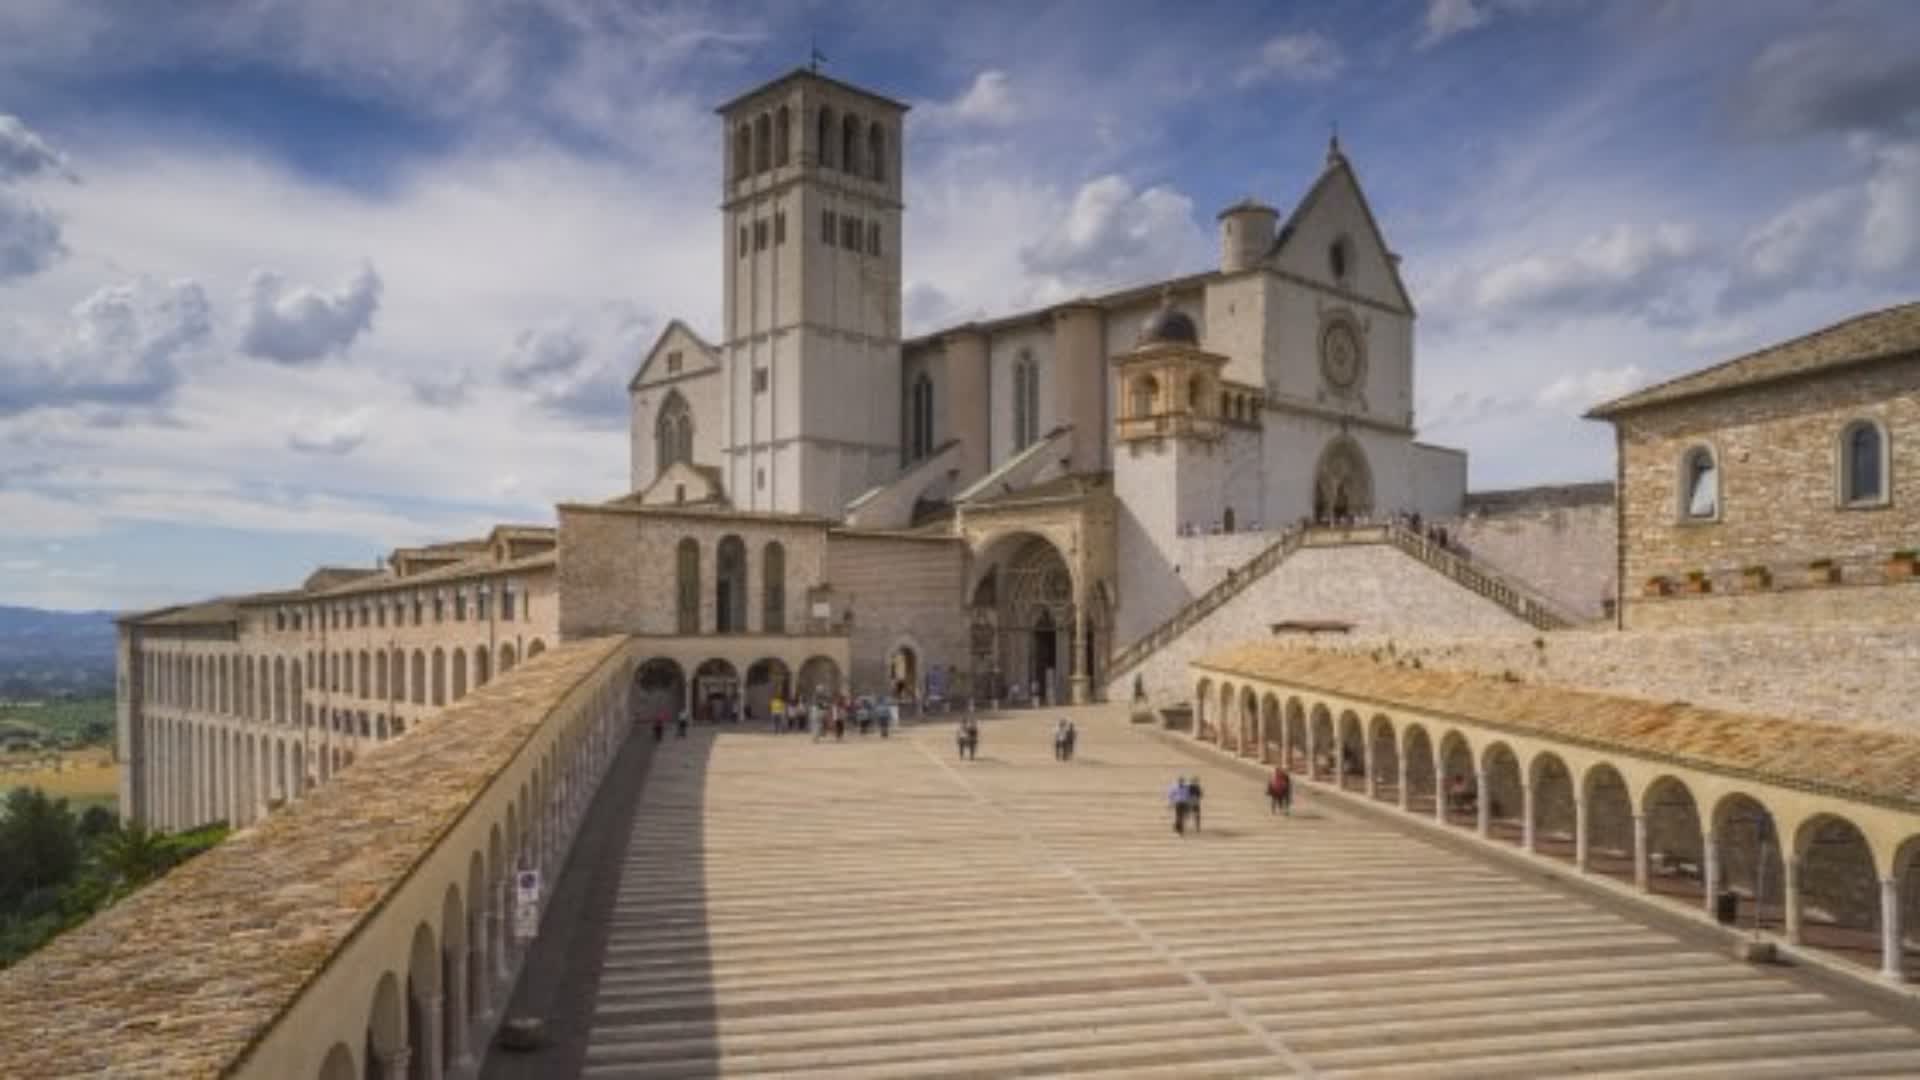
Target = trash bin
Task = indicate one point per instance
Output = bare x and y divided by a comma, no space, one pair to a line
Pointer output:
1726,907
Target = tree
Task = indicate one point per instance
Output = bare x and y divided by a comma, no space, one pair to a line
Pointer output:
97,821
39,844
132,855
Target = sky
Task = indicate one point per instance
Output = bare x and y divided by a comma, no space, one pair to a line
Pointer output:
291,283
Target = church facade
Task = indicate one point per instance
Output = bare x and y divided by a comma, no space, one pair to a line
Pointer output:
1087,455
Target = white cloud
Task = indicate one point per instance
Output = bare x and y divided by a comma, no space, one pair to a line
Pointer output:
122,346
1112,234
25,154
1865,232
579,366
1445,18
1838,78
334,435
1584,389
301,324
1635,270
30,238
1303,57
988,101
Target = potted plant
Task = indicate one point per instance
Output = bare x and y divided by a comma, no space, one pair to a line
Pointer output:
1756,578
1657,586
1699,582
1822,572
1901,566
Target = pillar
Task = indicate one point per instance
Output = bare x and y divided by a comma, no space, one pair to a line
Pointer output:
1406,797
1710,868
1580,830
1640,852
458,1060
1892,952
1791,900
1313,759
1079,683
393,1063
1526,815
431,1067
1372,763
480,935
1439,792
1482,804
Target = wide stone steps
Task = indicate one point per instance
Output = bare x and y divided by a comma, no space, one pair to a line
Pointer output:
876,910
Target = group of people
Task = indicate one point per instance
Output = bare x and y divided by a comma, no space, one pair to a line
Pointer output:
967,738
1185,796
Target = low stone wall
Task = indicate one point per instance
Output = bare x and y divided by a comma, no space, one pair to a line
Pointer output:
296,944
1848,601
1562,542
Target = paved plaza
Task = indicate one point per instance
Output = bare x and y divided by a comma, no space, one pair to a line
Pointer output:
880,909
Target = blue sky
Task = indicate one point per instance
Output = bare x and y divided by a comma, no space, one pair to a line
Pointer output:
286,283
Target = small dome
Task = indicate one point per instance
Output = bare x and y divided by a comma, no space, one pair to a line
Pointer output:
1168,327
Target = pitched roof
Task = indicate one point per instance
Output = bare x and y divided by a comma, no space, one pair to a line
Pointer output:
1875,766
1338,166
653,350
1876,335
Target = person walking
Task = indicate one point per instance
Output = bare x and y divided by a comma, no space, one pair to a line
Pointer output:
680,728
1060,739
1280,792
1193,801
1073,735
1177,798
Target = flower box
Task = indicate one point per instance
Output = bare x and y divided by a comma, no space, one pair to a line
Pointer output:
1901,566
1657,586
1823,572
1699,582
1757,578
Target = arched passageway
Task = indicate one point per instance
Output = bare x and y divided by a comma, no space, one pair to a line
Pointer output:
1502,794
1608,828
1462,793
1676,859
1383,761
716,689
1248,740
1322,755
819,676
1838,901
1751,865
1554,816
768,679
1422,776
1203,709
1352,759
1028,620
1296,736
903,672
1272,732
659,692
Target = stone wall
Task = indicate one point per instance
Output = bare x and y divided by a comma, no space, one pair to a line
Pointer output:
1860,601
899,591
1562,542
1777,449
1374,587
1866,676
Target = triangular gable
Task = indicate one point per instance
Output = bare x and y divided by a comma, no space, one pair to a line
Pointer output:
677,335
1336,183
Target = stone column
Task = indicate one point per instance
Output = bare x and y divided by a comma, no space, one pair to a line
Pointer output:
1080,684
1483,804
1710,868
458,1061
477,960
1892,952
393,1064
1791,900
503,948
1313,761
1439,794
1640,852
1580,831
1372,763
1526,815
1406,797
431,1067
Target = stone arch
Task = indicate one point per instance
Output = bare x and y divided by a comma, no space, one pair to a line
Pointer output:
742,152
824,134
768,678
1503,792
762,142
482,666
850,143
903,667
773,588
508,657
423,1001
1423,790
1383,759
715,682
1296,736
730,586
819,675
1143,397
419,679
1323,753
659,690
439,676
1351,760
782,136
1608,822
876,152
459,673
1247,737
672,433
535,648
1676,837
1752,865
1216,731
339,1064
364,685
453,965
380,675
481,899
1273,734
1027,606
386,1021
1838,887
1461,779
1554,816
1342,481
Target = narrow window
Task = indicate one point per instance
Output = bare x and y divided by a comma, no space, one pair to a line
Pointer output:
782,125
760,235
824,136
873,238
773,579
850,233
742,153
1862,477
763,143
876,152
779,227
743,240
1702,488
759,380
850,144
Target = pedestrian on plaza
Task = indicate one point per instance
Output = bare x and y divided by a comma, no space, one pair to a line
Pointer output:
1060,739
680,729
1073,735
817,720
839,728
1280,792
1193,801
1177,798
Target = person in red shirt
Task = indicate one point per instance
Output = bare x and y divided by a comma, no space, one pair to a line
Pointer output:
1280,792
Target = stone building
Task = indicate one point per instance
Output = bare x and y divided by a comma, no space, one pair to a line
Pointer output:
1779,485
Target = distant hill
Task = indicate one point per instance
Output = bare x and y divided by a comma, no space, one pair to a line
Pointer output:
53,653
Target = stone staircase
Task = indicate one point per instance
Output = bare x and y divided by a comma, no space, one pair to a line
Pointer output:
878,909
1473,576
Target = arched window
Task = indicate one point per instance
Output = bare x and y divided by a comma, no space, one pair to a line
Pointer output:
823,137
1145,389
687,592
850,144
1700,485
1863,464
782,134
876,152
742,152
920,418
1026,401
763,143
673,433
730,586
773,584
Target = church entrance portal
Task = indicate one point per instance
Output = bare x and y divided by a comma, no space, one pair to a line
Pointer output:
1342,483
1029,629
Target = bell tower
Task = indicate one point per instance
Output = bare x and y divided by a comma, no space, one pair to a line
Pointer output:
811,207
